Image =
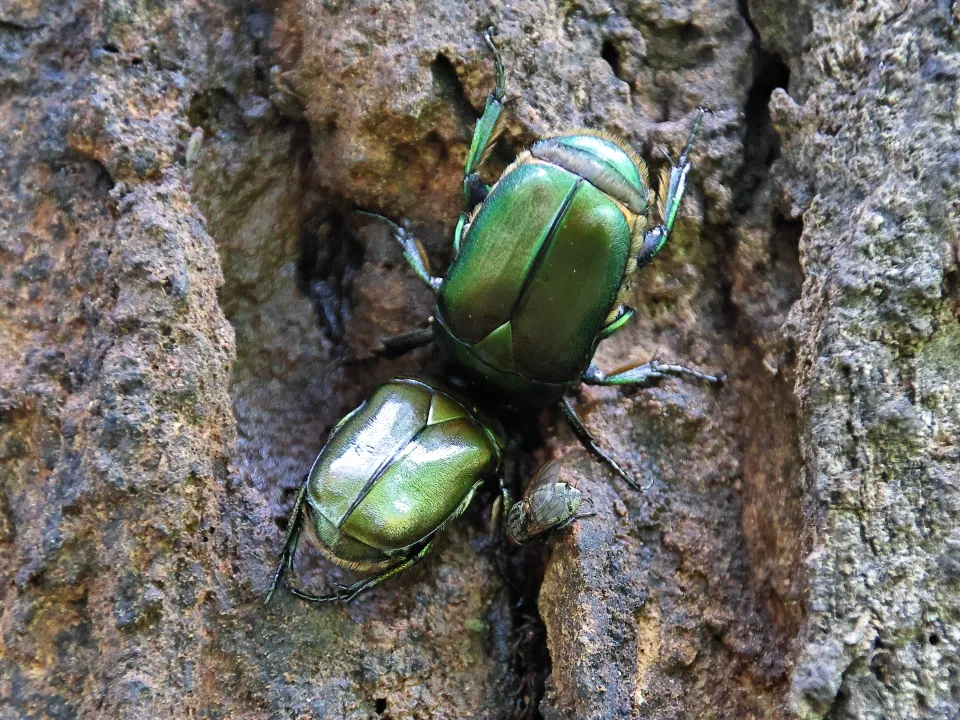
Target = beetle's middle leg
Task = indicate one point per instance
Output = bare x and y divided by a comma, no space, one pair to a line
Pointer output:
648,373
656,238
349,592
290,542
590,443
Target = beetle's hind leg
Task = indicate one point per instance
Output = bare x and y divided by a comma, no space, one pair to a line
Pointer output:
350,592
656,237
412,250
294,525
590,443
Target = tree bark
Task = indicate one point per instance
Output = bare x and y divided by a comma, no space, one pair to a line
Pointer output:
183,279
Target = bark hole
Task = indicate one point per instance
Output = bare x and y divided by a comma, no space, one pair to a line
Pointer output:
761,145
611,55
450,89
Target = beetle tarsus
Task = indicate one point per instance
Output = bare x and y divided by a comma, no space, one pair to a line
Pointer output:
657,237
297,592
644,375
276,581
345,594
290,541
500,90
412,250
690,138
486,131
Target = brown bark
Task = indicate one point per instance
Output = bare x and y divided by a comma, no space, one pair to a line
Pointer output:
175,325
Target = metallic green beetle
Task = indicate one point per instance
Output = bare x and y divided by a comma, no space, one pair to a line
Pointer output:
392,474
542,263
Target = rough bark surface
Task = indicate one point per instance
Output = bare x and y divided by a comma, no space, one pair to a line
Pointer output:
182,278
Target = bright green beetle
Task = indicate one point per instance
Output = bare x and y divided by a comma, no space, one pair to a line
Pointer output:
542,264
392,474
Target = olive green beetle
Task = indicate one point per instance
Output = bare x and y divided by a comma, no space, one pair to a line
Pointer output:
542,263
392,474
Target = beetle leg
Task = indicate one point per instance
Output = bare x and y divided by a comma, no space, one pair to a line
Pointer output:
290,542
624,315
398,345
462,224
485,133
656,238
417,257
412,250
351,591
498,528
501,508
590,443
644,375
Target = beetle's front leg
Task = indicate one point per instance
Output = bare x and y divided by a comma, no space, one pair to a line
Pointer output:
485,133
646,374
656,238
290,542
412,251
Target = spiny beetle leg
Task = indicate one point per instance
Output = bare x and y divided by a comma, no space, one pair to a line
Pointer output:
590,443
395,346
645,375
678,176
499,512
412,250
290,542
486,131
350,592
624,314
657,237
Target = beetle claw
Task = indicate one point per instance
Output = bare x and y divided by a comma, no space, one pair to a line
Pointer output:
666,153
